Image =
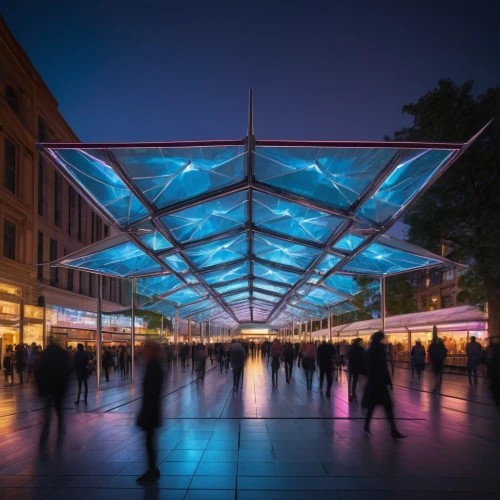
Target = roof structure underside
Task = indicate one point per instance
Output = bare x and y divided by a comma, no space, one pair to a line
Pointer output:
251,231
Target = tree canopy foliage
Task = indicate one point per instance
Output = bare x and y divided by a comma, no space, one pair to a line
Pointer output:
462,209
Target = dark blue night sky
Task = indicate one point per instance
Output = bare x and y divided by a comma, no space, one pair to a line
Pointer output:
180,70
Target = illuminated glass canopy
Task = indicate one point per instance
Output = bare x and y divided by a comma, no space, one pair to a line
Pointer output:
250,230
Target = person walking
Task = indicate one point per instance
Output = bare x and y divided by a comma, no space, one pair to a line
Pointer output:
275,354
7,365
221,357
308,362
107,361
288,355
122,358
437,355
356,366
52,379
20,359
82,372
474,351
379,378
149,418
325,356
193,355
417,358
237,358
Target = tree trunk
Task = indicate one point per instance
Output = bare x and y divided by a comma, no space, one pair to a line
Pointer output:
493,296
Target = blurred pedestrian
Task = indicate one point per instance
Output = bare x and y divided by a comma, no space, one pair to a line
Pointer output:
221,357
7,365
326,354
473,351
417,359
356,366
288,356
437,355
52,380
308,362
149,418
82,372
275,361
237,358
376,392
20,360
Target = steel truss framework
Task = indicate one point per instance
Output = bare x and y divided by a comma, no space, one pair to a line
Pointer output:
279,234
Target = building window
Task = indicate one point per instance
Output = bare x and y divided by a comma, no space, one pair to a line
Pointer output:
81,279
39,273
54,271
10,167
71,210
106,231
449,275
58,200
9,240
105,288
435,277
446,301
80,219
70,280
12,100
41,189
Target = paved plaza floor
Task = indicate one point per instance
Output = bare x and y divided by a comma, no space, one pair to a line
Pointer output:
262,443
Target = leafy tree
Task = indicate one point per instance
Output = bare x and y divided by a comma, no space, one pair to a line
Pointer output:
463,207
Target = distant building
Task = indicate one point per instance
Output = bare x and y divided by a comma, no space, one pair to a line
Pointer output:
437,289
42,218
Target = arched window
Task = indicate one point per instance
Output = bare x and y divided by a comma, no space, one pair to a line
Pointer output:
11,98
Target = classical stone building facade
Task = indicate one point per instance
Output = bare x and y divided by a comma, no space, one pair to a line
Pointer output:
41,216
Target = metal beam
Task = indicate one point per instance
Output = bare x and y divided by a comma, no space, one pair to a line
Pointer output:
362,144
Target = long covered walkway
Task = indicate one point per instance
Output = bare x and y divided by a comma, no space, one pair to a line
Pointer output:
261,443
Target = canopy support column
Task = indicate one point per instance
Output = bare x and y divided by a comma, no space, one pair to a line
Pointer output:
382,301
132,330
176,331
99,332
190,335
330,322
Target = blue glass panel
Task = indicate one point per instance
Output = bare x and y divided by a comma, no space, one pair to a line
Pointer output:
272,274
303,289
153,239
311,308
343,308
91,170
176,263
190,279
323,297
283,252
227,274
268,298
270,288
161,307
347,284
327,263
292,219
158,285
379,259
170,175
416,168
122,260
183,297
313,279
219,251
349,242
192,309
209,218
232,286
231,299
336,176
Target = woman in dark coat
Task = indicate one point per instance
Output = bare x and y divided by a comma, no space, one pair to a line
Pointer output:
376,392
150,416
82,372
356,366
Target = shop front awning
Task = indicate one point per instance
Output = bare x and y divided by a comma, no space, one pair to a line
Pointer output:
251,230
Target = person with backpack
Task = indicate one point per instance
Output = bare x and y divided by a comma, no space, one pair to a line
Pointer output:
308,362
